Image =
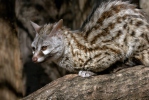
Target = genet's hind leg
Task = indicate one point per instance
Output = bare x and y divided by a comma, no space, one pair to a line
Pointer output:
143,57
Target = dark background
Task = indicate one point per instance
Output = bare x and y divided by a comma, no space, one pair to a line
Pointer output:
19,13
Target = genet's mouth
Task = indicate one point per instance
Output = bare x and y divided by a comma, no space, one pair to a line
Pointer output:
46,59
37,59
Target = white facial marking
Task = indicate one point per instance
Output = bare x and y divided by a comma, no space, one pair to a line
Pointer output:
46,52
40,59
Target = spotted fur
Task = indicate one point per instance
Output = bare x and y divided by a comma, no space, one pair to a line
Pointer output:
115,31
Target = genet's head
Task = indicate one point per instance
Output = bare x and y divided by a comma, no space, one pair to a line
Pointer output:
48,42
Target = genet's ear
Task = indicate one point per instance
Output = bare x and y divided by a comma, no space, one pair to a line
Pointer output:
56,27
35,26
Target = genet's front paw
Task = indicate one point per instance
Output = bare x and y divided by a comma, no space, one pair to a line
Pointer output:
86,73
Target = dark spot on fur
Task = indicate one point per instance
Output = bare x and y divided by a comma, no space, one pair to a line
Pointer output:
105,15
125,26
133,46
124,17
143,45
139,47
119,20
133,33
119,33
111,25
128,29
139,23
131,22
136,40
106,53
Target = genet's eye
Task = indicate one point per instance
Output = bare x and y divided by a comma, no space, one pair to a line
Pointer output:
43,48
33,48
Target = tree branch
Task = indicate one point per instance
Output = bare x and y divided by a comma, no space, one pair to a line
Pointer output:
129,83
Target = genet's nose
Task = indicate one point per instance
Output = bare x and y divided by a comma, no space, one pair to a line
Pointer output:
34,59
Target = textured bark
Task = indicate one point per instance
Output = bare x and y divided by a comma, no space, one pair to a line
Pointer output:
126,84
11,80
